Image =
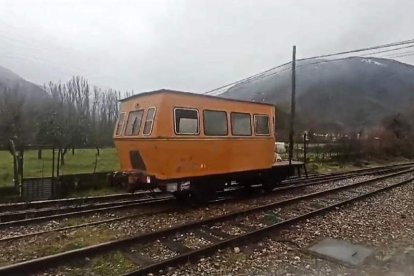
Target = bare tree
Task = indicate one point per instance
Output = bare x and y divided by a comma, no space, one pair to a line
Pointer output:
12,116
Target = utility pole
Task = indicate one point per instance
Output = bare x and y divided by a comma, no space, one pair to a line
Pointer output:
292,105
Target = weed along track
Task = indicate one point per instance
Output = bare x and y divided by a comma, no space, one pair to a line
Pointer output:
69,202
160,208
155,250
36,212
35,216
74,232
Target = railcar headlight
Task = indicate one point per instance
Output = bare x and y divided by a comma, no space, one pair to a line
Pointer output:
148,179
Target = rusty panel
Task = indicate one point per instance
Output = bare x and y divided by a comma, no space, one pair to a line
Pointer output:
176,158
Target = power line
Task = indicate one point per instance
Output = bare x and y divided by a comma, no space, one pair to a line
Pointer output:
256,77
363,49
370,54
264,73
253,79
390,50
247,79
260,75
406,54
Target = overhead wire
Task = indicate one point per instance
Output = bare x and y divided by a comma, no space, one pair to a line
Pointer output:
408,44
407,54
247,79
390,50
410,41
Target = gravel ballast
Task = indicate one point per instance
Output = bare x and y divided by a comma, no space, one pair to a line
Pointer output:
41,245
384,222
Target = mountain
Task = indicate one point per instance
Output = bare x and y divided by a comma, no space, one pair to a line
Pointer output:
20,103
336,95
13,82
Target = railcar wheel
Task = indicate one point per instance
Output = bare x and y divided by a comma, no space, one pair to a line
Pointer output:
200,192
270,184
203,191
182,196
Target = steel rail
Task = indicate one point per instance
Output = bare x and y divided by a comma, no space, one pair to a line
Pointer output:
53,260
252,235
283,189
359,172
139,203
66,201
136,203
98,199
26,214
6,216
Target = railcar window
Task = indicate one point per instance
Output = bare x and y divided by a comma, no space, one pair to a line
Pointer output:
215,123
241,124
134,122
120,123
261,124
186,121
149,121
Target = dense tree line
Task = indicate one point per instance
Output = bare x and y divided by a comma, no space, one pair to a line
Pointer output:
75,114
71,114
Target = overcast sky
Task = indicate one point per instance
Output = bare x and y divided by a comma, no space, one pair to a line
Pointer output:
192,45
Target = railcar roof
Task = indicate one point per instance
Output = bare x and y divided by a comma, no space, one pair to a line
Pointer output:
167,91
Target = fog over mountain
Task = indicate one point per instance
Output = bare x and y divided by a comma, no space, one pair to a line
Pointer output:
344,94
339,95
186,45
14,83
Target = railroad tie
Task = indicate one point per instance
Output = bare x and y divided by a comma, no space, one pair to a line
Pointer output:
175,246
136,257
207,235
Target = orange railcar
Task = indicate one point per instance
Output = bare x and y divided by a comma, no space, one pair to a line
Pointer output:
190,143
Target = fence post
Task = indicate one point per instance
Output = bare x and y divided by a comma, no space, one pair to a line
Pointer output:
317,151
304,147
297,151
53,165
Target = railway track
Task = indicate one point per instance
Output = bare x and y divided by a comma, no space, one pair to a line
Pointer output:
343,175
81,201
282,192
251,222
65,202
37,216
31,216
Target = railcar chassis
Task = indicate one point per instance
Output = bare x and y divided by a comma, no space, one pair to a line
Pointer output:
205,188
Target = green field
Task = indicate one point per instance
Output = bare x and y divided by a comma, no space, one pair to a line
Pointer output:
82,162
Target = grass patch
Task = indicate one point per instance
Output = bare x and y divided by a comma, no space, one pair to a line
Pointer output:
108,264
83,161
6,168
78,238
73,221
113,264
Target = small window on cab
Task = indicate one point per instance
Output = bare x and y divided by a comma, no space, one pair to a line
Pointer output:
215,123
241,124
134,122
149,121
120,124
261,125
186,121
